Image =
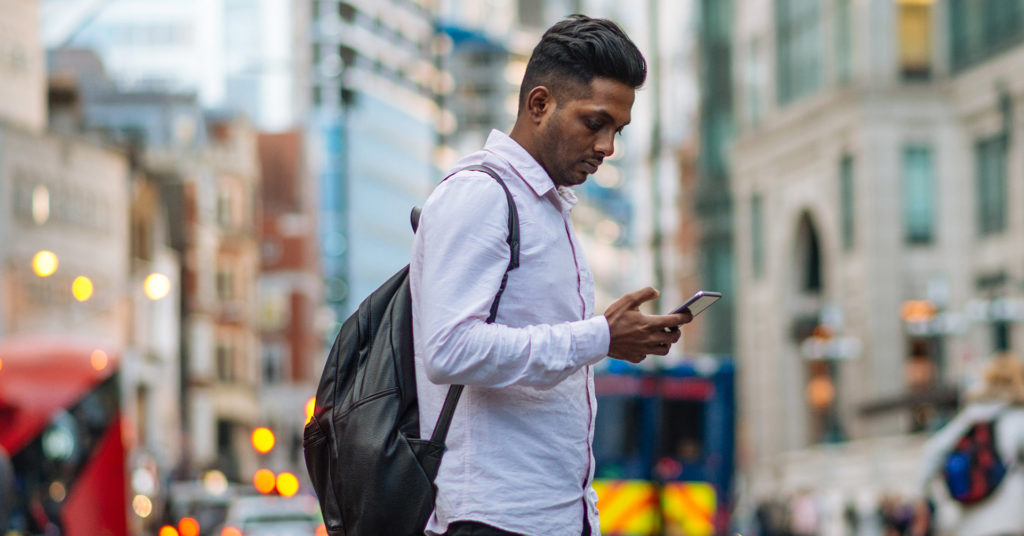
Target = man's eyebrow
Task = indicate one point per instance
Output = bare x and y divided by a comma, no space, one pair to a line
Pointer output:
604,113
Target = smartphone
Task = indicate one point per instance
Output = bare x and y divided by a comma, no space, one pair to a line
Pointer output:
698,302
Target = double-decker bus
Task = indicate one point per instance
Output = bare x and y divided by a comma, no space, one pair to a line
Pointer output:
60,425
665,447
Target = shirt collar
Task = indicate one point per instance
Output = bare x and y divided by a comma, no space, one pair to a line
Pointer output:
522,162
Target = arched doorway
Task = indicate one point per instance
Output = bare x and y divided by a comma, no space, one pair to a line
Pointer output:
811,333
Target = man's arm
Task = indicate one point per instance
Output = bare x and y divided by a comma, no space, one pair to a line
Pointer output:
455,276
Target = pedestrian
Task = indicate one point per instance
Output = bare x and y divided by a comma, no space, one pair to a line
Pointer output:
1000,399
519,452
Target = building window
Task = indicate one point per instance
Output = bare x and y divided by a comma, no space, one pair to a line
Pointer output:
273,363
915,39
990,155
982,28
918,197
225,363
798,48
225,285
754,81
844,40
846,201
757,235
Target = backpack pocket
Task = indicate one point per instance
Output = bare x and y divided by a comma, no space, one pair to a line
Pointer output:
317,451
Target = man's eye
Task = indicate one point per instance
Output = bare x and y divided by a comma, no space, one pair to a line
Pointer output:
594,125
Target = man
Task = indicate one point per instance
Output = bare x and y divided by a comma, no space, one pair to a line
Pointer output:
519,458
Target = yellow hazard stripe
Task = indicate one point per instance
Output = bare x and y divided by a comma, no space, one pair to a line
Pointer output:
627,507
689,508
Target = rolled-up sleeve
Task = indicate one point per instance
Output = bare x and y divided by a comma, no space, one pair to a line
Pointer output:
456,272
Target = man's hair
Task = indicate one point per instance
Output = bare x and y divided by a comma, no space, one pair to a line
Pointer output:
574,51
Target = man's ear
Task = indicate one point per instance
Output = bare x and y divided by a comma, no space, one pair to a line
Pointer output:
539,103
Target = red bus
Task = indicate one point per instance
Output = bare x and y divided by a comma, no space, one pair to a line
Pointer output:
60,425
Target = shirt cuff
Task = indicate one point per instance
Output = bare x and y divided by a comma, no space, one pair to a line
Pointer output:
590,340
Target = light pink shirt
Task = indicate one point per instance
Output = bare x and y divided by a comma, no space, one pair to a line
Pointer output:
519,449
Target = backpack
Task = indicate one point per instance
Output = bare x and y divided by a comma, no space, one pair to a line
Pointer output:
974,468
372,473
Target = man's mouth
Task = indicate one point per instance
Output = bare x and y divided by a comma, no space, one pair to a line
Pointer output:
590,166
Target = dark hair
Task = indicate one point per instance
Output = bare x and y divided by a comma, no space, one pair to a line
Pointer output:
575,50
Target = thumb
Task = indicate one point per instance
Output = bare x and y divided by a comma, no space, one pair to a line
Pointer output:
638,297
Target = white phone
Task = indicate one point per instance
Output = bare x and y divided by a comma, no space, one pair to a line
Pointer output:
698,302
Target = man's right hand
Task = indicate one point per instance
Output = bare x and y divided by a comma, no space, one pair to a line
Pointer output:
635,335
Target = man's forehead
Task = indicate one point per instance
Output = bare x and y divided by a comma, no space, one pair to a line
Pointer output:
609,97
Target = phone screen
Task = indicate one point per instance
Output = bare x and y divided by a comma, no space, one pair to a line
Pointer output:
698,302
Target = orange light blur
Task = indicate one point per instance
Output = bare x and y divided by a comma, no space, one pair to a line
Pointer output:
230,531
98,359
310,406
188,526
262,440
264,480
321,530
287,484
918,310
1,364
168,530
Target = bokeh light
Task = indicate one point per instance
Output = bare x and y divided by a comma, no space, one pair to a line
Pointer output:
287,484
310,407
44,263
168,530
98,359
81,288
264,480
263,440
142,506
188,526
156,286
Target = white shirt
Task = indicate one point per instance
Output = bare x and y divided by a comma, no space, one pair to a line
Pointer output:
1002,512
519,448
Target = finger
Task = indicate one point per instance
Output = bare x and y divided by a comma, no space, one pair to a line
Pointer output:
659,349
638,297
669,321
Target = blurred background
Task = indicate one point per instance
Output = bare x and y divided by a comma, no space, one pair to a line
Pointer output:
194,194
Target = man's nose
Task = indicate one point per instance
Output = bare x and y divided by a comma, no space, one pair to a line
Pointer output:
605,144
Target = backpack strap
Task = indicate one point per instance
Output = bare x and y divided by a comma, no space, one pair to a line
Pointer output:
444,420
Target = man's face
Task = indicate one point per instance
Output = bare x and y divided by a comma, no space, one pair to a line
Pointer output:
579,132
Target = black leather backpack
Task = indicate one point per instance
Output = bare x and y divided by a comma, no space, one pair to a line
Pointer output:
372,473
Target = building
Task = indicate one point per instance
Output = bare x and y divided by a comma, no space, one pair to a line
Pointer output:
247,49
203,170
878,225
371,138
290,291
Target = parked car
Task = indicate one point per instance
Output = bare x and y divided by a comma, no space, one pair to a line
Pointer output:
273,516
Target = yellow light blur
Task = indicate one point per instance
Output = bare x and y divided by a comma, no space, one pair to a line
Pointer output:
156,286
287,484
310,406
98,359
188,526
264,480
168,530
81,288
142,506
44,263
230,531
262,440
